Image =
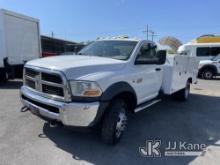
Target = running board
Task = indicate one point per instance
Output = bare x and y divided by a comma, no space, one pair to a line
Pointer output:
146,105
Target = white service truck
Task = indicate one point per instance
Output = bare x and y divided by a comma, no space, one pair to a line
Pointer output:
19,43
106,81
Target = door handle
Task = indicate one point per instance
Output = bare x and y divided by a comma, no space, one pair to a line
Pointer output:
158,69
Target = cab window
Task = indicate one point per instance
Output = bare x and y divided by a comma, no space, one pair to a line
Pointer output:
147,52
203,51
208,51
215,51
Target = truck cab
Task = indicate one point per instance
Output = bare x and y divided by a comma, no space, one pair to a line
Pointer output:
104,82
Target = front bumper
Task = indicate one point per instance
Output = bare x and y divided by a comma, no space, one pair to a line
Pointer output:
70,114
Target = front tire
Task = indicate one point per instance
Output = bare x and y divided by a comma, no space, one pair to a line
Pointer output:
207,74
114,123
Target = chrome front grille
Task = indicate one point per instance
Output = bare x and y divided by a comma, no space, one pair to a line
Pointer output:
50,84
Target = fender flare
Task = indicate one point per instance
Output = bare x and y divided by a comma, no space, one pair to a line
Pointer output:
116,89
208,66
108,95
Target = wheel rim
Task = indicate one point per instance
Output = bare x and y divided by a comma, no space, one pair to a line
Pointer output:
208,75
121,124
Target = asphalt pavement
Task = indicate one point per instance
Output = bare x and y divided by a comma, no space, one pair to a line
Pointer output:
27,140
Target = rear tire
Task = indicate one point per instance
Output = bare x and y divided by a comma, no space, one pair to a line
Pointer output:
114,123
207,74
183,94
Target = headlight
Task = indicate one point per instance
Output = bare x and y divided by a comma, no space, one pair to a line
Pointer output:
85,89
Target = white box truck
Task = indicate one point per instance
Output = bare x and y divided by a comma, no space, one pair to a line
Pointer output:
103,83
19,43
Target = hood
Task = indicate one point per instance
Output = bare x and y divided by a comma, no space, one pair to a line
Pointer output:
205,62
75,66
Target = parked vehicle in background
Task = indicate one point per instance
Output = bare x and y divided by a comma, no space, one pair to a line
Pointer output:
48,54
68,53
209,68
52,46
104,82
19,43
204,47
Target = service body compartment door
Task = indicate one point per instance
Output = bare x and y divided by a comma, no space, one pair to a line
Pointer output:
177,71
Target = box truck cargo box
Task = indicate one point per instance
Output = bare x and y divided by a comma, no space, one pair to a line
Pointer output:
19,42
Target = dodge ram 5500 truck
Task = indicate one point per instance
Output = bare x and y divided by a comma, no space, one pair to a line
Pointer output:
103,83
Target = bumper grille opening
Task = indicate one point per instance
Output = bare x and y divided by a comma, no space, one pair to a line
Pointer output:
47,107
31,73
30,83
52,90
52,78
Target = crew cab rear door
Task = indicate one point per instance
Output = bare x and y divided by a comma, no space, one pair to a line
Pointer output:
148,76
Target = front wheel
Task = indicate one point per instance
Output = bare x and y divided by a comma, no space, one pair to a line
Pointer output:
115,121
207,74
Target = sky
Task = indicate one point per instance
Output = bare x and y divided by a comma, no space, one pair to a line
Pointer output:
83,20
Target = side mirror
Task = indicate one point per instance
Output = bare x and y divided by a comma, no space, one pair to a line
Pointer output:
161,55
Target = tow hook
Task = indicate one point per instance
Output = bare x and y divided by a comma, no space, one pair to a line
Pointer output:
24,109
54,123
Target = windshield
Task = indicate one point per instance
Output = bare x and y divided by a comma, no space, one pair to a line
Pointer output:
216,58
120,50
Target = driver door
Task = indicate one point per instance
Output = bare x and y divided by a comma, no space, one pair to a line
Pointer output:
148,75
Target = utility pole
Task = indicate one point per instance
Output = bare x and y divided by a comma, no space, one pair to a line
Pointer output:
152,35
147,31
